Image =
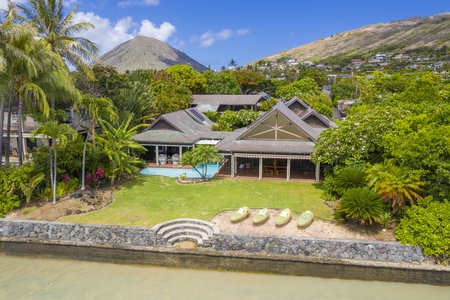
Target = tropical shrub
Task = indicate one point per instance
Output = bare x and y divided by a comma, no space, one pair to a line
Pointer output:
428,227
267,104
351,176
231,120
17,185
361,204
395,185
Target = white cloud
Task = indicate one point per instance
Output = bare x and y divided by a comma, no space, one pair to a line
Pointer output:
138,2
4,3
162,33
67,3
105,34
208,38
108,35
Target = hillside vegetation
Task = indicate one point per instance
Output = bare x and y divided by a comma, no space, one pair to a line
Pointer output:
396,36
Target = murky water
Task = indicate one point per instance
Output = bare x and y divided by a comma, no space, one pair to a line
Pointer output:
30,278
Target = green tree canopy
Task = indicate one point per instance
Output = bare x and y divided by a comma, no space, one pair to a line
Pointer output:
185,76
221,83
302,88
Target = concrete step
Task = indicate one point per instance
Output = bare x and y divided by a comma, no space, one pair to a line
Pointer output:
160,226
179,232
186,226
185,237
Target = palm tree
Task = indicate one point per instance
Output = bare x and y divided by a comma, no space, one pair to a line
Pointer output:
232,64
8,52
201,155
395,184
96,108
139,101
117,143
38,73
47,18
59,134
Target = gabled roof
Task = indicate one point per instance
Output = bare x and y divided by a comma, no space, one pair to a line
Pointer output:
212,102
279,123
278,131
327,123
295,100
181,127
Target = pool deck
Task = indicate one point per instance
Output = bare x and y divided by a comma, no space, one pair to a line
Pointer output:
246,174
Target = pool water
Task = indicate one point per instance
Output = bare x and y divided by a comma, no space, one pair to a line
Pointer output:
211,170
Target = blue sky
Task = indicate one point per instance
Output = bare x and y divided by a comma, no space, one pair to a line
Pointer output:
215,31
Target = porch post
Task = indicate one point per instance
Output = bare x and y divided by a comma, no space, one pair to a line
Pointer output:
232,165
318,172
288,171
156,155
260,168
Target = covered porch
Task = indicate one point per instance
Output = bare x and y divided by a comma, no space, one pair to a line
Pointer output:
271,166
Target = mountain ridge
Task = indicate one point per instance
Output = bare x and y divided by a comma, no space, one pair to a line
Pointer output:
400,35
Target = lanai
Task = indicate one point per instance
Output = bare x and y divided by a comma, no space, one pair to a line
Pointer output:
278,142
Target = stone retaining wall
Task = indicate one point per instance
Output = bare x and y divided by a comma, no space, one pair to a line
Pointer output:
78,232
326,248
222,242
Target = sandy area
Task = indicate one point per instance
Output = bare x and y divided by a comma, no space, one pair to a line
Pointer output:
318,228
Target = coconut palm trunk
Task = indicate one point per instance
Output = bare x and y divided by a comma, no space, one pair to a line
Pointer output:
8,133
2,117
20,131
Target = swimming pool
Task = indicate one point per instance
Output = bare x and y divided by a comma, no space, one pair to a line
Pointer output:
211,170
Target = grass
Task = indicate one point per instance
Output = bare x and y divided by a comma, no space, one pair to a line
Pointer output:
149,200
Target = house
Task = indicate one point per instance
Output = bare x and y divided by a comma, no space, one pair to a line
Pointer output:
28,126
176,133
279,143
221,103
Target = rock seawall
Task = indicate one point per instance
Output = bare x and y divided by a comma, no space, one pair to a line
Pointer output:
293,246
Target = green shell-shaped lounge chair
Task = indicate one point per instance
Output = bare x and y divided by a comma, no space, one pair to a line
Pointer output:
240,215
284,217
305,219
261,216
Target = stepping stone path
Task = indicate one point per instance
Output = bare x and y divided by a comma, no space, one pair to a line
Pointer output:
179,230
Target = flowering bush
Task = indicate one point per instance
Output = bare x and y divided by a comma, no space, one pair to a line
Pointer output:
96,179
358,138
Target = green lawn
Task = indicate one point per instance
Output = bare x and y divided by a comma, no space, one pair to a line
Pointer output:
149,200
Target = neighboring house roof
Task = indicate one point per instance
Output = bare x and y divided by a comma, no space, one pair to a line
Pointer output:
212,102
181,127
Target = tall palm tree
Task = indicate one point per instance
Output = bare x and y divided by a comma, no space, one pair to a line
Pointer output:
47,18
35,75
59,134
8,53
95,109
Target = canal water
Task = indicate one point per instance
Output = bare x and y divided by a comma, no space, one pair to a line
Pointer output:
31,278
